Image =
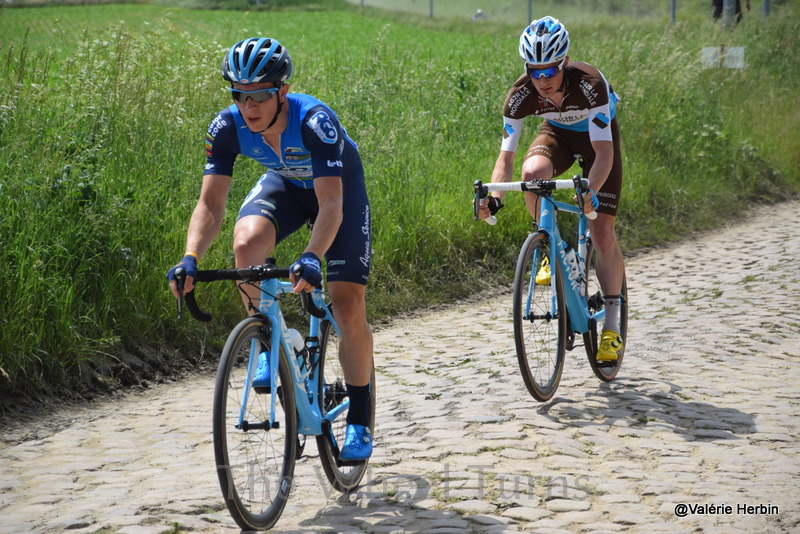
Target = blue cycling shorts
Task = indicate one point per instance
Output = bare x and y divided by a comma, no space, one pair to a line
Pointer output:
289,207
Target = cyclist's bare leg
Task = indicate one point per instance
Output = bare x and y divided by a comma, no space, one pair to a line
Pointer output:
253,242
610,265
355,343
535,167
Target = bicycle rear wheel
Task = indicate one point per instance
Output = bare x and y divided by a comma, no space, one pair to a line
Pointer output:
255,462
540,320
342,476
594,297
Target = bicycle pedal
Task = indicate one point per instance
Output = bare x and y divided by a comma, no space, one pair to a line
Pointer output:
607,364
349,463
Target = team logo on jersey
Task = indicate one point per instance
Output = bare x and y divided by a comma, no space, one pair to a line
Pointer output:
257,151
600,120
589,92
213,130
323,126
516,100
294,153
216,124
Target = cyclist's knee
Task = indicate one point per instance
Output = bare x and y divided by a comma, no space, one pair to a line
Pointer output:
537,168
253,236
604,237
349,305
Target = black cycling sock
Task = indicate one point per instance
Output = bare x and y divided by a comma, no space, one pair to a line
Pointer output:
358,414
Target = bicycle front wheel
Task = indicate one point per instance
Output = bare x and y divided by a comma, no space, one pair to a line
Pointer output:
540,318
594,297
333,393
255,459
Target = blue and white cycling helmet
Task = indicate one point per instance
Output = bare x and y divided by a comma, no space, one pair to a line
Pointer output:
257,60
544,41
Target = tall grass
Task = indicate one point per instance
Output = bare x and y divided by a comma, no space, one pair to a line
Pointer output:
103,112
516,11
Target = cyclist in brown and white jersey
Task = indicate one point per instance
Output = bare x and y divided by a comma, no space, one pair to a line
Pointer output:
579,110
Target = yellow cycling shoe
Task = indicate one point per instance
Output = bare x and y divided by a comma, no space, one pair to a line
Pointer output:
543,275
611,346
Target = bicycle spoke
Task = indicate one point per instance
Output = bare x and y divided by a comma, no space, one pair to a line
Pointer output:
333,400
539,320
255,460
603,371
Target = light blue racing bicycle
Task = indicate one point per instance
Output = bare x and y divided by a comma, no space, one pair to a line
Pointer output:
556,294
259,432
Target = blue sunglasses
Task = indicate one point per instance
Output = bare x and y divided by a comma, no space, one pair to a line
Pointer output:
549,72
261,95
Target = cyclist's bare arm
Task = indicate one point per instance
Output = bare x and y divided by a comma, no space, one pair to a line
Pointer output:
329,218
206,220
504,167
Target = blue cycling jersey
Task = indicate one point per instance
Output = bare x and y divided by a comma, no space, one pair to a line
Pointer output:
314,144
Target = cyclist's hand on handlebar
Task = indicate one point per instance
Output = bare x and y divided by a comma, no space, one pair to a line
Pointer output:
593,199
489,206
309,273
590,201
189,265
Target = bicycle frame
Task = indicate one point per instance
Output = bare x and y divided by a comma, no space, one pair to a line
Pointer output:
577,309
306,384
579,318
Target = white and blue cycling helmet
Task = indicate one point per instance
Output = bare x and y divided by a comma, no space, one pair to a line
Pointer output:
545,41
257,60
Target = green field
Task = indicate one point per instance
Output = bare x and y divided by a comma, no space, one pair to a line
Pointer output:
570,11
103,112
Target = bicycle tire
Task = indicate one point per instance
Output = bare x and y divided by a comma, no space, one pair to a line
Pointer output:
594,298
332,392
255,465
540,320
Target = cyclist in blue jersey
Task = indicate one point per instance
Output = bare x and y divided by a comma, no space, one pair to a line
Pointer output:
579,110
314,175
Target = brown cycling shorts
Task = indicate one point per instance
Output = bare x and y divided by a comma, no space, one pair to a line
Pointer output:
560,146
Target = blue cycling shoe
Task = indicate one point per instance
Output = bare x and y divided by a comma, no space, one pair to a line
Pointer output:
357,444
261,379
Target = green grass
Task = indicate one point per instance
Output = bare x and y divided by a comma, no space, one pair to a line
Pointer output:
516,11
103,111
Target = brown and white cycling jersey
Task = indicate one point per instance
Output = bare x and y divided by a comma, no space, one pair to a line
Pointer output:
589,105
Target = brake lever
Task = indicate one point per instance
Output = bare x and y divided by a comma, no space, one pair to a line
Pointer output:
481,192
180,279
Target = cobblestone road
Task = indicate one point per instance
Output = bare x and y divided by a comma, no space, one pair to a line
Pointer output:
699,433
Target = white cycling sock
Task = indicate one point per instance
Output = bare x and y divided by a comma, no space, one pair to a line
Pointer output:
612,305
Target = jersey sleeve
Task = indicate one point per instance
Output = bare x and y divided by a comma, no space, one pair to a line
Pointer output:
323,136
515,109
601,106
512,130
222,145
600,124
